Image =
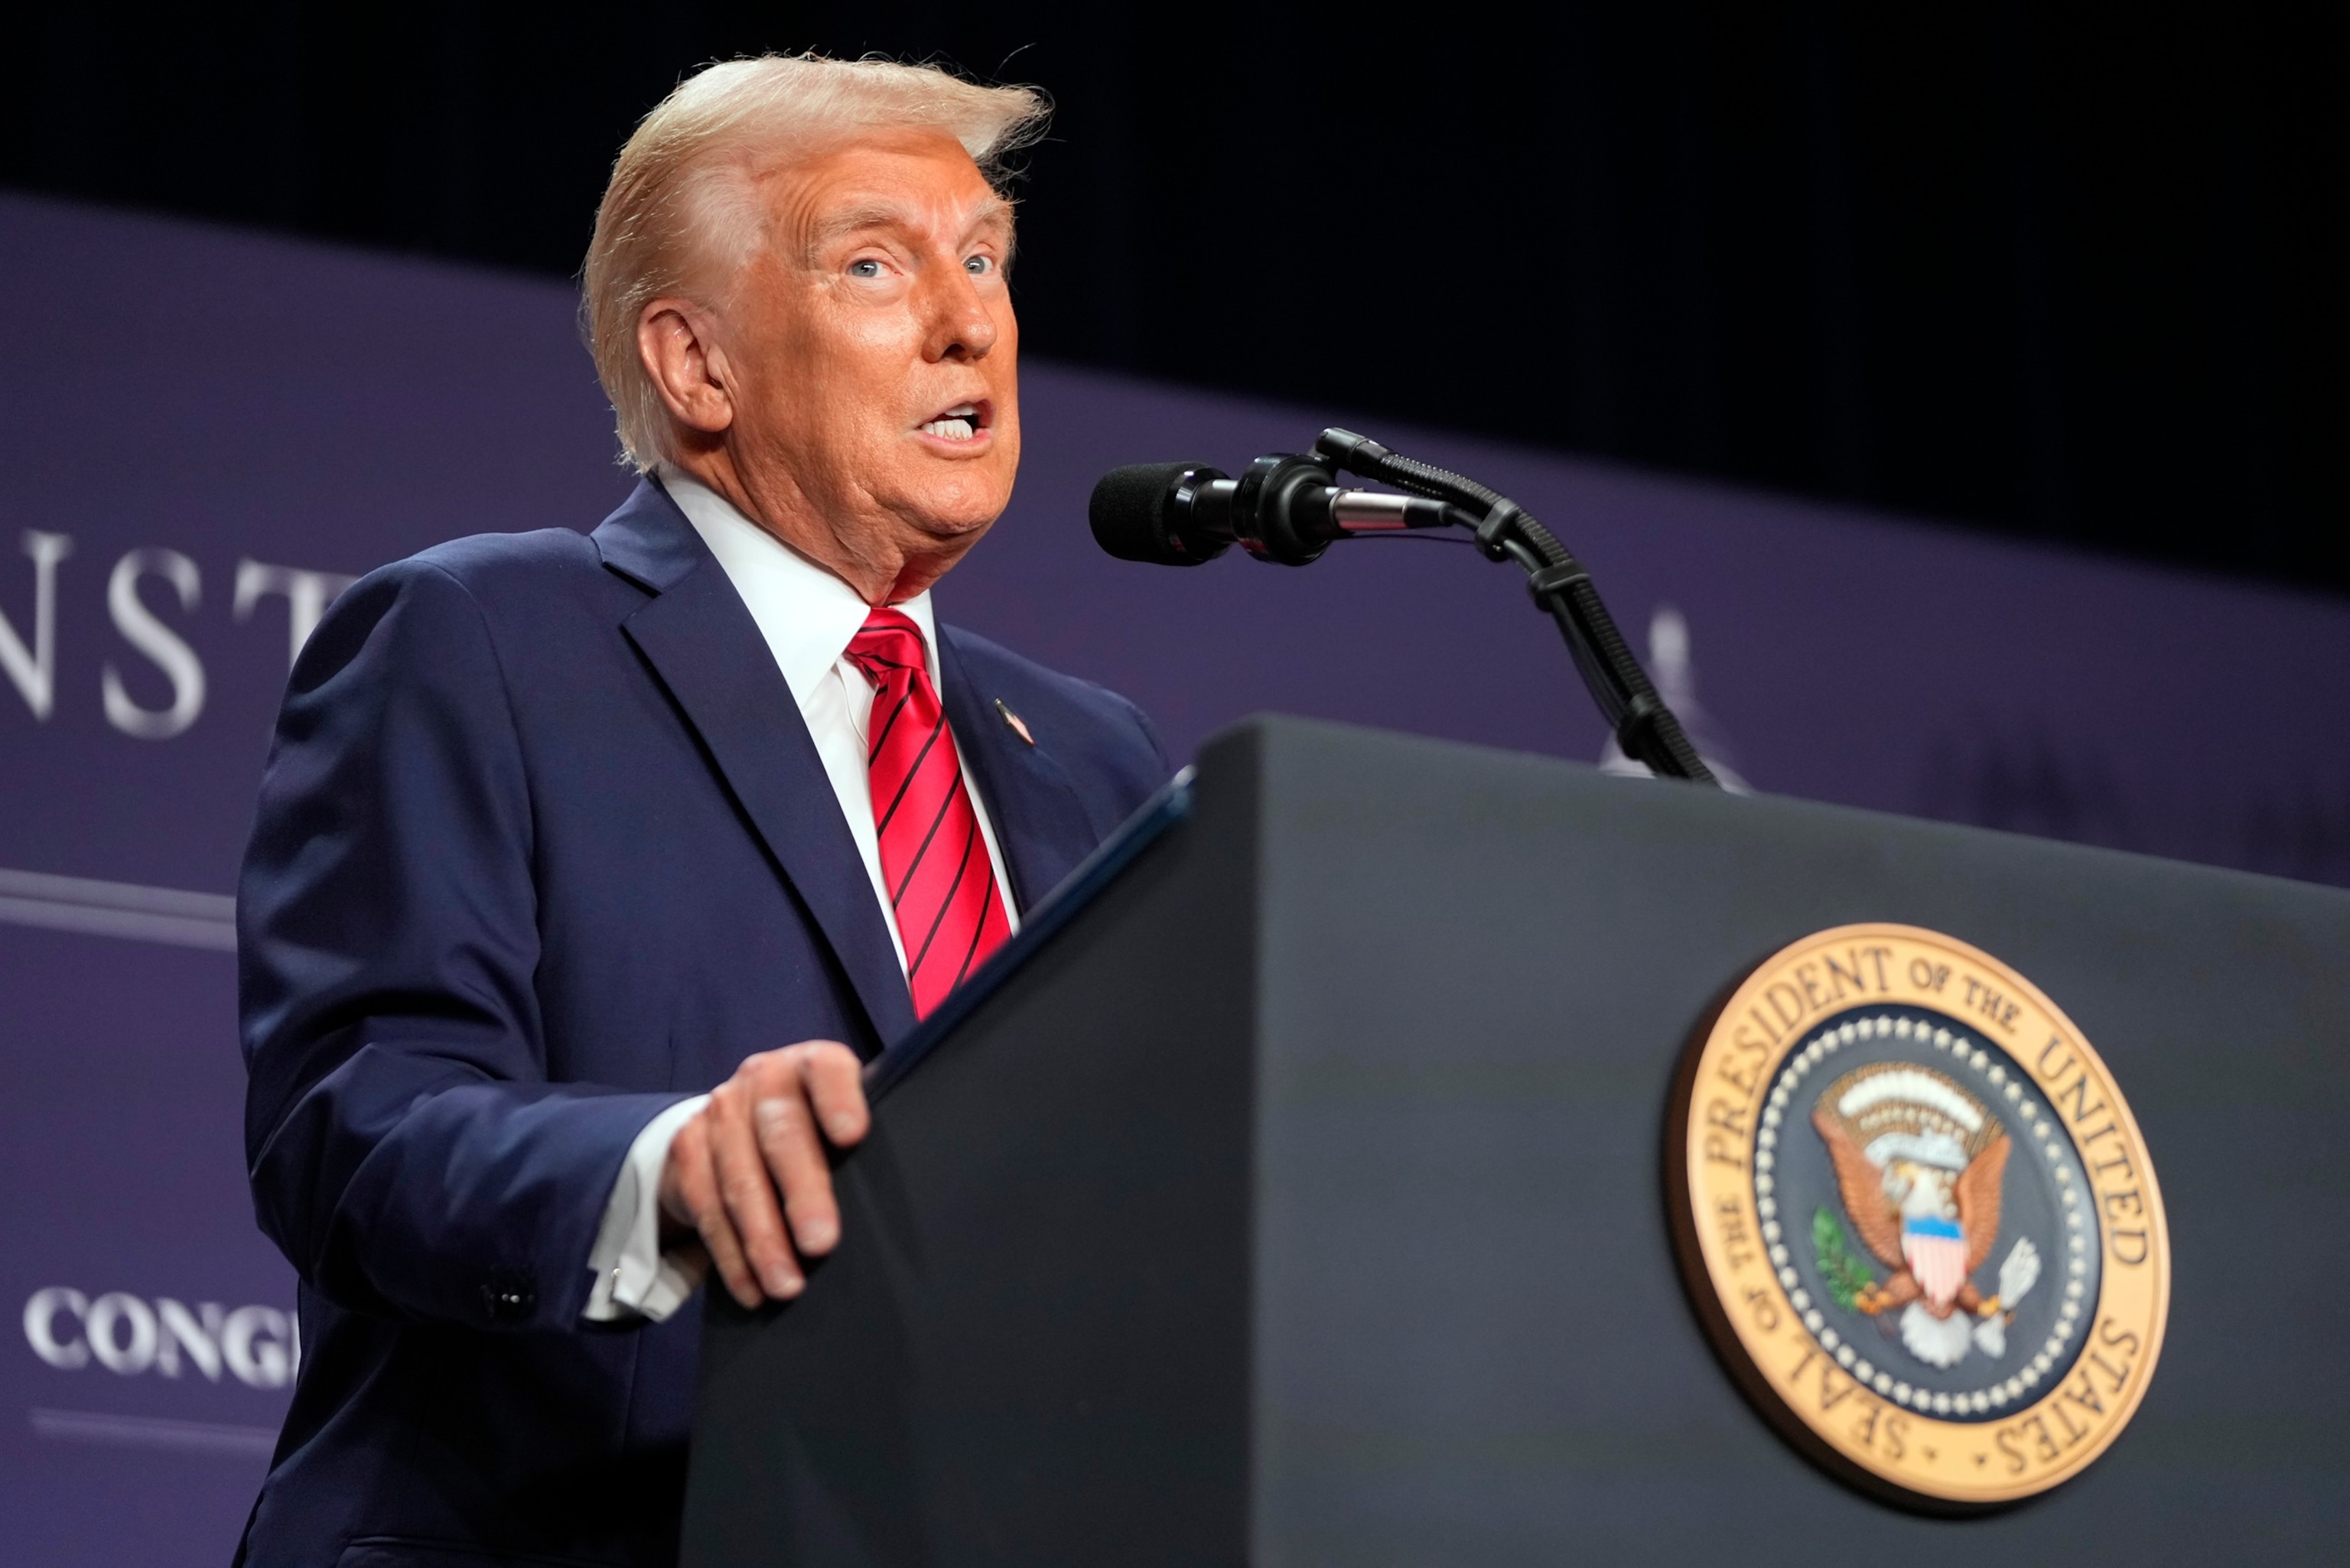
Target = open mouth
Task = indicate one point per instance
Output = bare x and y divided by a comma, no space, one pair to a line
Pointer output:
964,422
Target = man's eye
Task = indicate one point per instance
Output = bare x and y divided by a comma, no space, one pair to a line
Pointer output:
979,267
866,268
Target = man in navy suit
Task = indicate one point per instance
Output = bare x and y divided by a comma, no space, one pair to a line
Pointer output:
587,868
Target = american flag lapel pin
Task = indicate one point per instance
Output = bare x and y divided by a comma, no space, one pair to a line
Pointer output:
1014,721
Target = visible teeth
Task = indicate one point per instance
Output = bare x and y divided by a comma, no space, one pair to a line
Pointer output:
950,430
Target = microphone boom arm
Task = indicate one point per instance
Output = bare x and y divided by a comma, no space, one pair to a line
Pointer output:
1562,588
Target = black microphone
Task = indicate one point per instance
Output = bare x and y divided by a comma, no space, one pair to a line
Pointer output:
1281,508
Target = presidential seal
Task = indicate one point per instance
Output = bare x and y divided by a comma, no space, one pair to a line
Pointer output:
1917,1218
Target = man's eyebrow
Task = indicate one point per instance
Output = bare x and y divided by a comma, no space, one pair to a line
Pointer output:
996,215
855,220
878,216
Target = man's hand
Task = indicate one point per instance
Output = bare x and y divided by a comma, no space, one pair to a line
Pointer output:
765,1129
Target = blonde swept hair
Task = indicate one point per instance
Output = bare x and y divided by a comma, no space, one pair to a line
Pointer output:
683,215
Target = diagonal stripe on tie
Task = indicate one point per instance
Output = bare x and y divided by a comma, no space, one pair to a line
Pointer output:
913,770
882,735
914,966
970,953
946,808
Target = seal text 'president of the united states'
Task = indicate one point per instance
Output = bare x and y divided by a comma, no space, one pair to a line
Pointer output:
588,865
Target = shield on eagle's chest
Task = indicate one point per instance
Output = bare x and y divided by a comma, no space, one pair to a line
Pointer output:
1936,1256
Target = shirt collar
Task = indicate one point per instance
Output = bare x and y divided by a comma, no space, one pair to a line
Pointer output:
805,613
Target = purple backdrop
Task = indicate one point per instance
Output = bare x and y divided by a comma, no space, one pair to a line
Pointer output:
213,430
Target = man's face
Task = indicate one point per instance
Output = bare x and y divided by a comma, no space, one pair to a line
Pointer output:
873,347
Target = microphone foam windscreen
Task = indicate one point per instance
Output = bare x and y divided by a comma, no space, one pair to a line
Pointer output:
1129,512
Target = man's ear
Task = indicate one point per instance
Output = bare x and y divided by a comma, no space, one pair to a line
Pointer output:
689,371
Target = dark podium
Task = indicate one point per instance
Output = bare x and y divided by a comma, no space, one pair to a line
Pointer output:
1293,1195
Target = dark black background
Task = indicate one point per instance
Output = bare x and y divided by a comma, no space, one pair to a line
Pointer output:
2067,270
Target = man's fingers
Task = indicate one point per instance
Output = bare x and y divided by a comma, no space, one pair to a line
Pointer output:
695,1170
794,1154
821,1087
750,1196
750,1173
836,1087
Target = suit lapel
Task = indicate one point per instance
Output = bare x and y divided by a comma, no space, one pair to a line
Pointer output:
706,649
1040,823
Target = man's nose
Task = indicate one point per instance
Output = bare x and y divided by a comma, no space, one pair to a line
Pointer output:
961,327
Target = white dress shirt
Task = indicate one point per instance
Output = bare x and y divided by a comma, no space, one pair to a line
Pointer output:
807,617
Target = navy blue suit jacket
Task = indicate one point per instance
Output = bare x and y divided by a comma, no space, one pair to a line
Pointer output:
544,845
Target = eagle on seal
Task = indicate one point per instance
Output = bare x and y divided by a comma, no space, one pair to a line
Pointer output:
1919,1165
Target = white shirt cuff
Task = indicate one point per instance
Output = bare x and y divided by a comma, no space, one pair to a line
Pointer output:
634,1278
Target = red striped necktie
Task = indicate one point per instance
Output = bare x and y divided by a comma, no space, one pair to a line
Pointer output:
949,913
